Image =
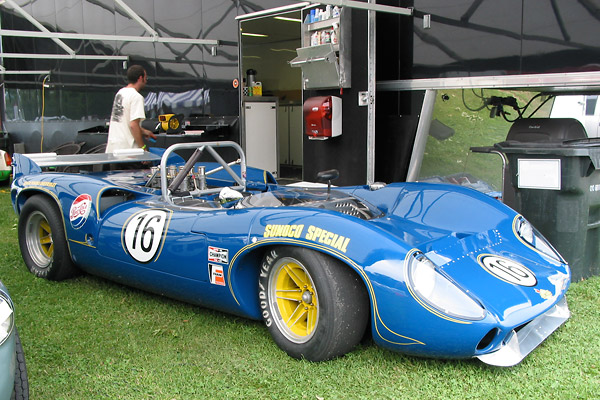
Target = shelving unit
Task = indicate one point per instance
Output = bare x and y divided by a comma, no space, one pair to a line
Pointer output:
326,65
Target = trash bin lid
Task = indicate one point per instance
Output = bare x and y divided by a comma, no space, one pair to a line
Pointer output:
545,130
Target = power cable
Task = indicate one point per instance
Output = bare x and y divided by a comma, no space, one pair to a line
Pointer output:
47,77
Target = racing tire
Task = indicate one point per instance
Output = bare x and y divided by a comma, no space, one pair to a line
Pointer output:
42,240
315,307
21,386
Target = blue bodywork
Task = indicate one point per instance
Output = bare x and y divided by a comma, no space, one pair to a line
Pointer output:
455,228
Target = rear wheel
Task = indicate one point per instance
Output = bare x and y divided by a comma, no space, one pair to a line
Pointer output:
314,306
42,240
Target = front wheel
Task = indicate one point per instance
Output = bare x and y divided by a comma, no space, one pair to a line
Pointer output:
42,240
21,386
314,306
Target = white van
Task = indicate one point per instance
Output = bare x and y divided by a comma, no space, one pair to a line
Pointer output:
585,108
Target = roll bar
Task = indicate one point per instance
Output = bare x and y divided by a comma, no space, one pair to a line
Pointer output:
200,147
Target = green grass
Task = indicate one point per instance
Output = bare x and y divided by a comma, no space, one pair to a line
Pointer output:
88,338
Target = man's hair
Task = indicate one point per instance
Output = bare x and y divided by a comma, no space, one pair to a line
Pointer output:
134,72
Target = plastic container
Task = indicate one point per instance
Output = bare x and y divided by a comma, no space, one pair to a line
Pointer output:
553,179
257,89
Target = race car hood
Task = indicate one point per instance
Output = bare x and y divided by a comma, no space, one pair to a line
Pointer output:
514,284
466,234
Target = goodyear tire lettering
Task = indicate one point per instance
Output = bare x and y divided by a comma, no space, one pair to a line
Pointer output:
262,291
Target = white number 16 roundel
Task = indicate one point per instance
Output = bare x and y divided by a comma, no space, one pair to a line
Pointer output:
508,270
144,234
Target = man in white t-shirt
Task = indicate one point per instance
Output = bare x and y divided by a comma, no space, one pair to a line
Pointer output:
125,130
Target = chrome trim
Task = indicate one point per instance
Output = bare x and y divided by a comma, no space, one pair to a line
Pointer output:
529,337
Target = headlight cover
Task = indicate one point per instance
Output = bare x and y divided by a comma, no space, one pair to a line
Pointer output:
533,238
438,292
6,318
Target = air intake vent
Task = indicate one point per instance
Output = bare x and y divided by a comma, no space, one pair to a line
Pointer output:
353,209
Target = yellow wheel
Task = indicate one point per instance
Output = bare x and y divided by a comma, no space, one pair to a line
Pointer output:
315,306
42,239
297,300
39,239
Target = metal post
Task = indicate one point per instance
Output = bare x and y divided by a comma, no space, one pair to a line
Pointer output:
422,133
371,101
38,25
137,18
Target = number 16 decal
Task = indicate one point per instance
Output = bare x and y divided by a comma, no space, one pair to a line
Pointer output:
144,233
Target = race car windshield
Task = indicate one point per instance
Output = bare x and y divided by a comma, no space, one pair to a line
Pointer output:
316,198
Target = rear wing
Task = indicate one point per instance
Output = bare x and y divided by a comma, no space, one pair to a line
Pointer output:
45,160
32,163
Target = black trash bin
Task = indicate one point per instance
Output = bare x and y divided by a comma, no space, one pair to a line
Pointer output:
552,177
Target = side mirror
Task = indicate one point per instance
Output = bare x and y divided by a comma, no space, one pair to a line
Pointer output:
328,176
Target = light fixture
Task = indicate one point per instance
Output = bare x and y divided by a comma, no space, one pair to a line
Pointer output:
254,34
288,19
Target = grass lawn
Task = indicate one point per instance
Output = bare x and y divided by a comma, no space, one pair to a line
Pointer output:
88,338
472,129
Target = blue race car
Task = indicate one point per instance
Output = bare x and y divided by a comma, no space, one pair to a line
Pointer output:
433,270
14,383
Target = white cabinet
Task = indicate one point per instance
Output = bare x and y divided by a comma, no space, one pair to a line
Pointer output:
260,135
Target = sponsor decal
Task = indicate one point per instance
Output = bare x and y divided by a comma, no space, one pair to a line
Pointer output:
329,238
39,183
144,233
291,231
508,270
80,210
544,294
313,233
216,254
217,277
